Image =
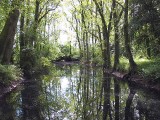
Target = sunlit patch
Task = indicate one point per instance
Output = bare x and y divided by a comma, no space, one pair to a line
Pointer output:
65,119
64,83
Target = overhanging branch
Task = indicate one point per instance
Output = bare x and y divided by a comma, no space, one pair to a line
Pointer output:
47,11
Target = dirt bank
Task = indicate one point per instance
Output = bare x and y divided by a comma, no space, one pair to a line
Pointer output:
9,88
140,81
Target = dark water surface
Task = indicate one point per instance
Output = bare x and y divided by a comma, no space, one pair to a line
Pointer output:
78,93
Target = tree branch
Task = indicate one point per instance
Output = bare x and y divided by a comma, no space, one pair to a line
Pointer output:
47,11
120,4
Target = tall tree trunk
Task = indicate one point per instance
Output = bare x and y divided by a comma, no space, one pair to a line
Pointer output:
133,65
36,19
78,36
106,33
116,37
7,36
84,35
22,38
148,48
100,38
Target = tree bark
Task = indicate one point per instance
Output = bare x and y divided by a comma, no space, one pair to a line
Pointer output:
148,48
106,34
132,63
116,19
36,19
116,37
7,37
22,38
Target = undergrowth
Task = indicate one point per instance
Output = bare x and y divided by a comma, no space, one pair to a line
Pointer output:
9,73
146,67
149,67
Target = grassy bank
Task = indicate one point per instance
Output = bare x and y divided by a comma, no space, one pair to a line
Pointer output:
146,67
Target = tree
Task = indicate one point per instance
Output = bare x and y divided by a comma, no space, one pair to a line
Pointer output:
106,32
145,25
8,33
116,20
133,65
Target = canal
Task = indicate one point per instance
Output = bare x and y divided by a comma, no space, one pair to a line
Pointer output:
74,92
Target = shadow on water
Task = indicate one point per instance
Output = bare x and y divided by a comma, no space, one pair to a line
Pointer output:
31,107
107,94
6,110
74,92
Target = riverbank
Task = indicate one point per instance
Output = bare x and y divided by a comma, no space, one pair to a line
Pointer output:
147,80
4,90
10,78
139,81
147,76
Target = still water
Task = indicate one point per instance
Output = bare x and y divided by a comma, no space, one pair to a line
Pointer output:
76,92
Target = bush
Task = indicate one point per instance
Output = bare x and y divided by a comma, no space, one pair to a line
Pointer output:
8,73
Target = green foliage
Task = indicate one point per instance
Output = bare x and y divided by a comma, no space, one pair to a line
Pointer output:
65,49
28,59
146,67
8,73
45,62
124,64
97,55
149,68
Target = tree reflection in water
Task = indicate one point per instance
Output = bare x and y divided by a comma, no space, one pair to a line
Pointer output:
30,100
117,94
7,111
107,104
128,112
78,93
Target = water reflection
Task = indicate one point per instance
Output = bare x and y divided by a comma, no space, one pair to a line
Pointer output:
6,109
31,107
78,93
128,109
107,94
117,98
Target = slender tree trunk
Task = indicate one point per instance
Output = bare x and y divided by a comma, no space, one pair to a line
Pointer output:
22,38
132,63
147,41
28,39
36,18
93,43
116,37
84,35
148,48
7,37
106,33
78,37
100,38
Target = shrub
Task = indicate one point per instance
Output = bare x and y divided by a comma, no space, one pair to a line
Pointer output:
8,73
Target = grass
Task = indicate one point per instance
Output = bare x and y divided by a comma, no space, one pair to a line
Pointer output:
149,67
146,67
124,64
9,73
